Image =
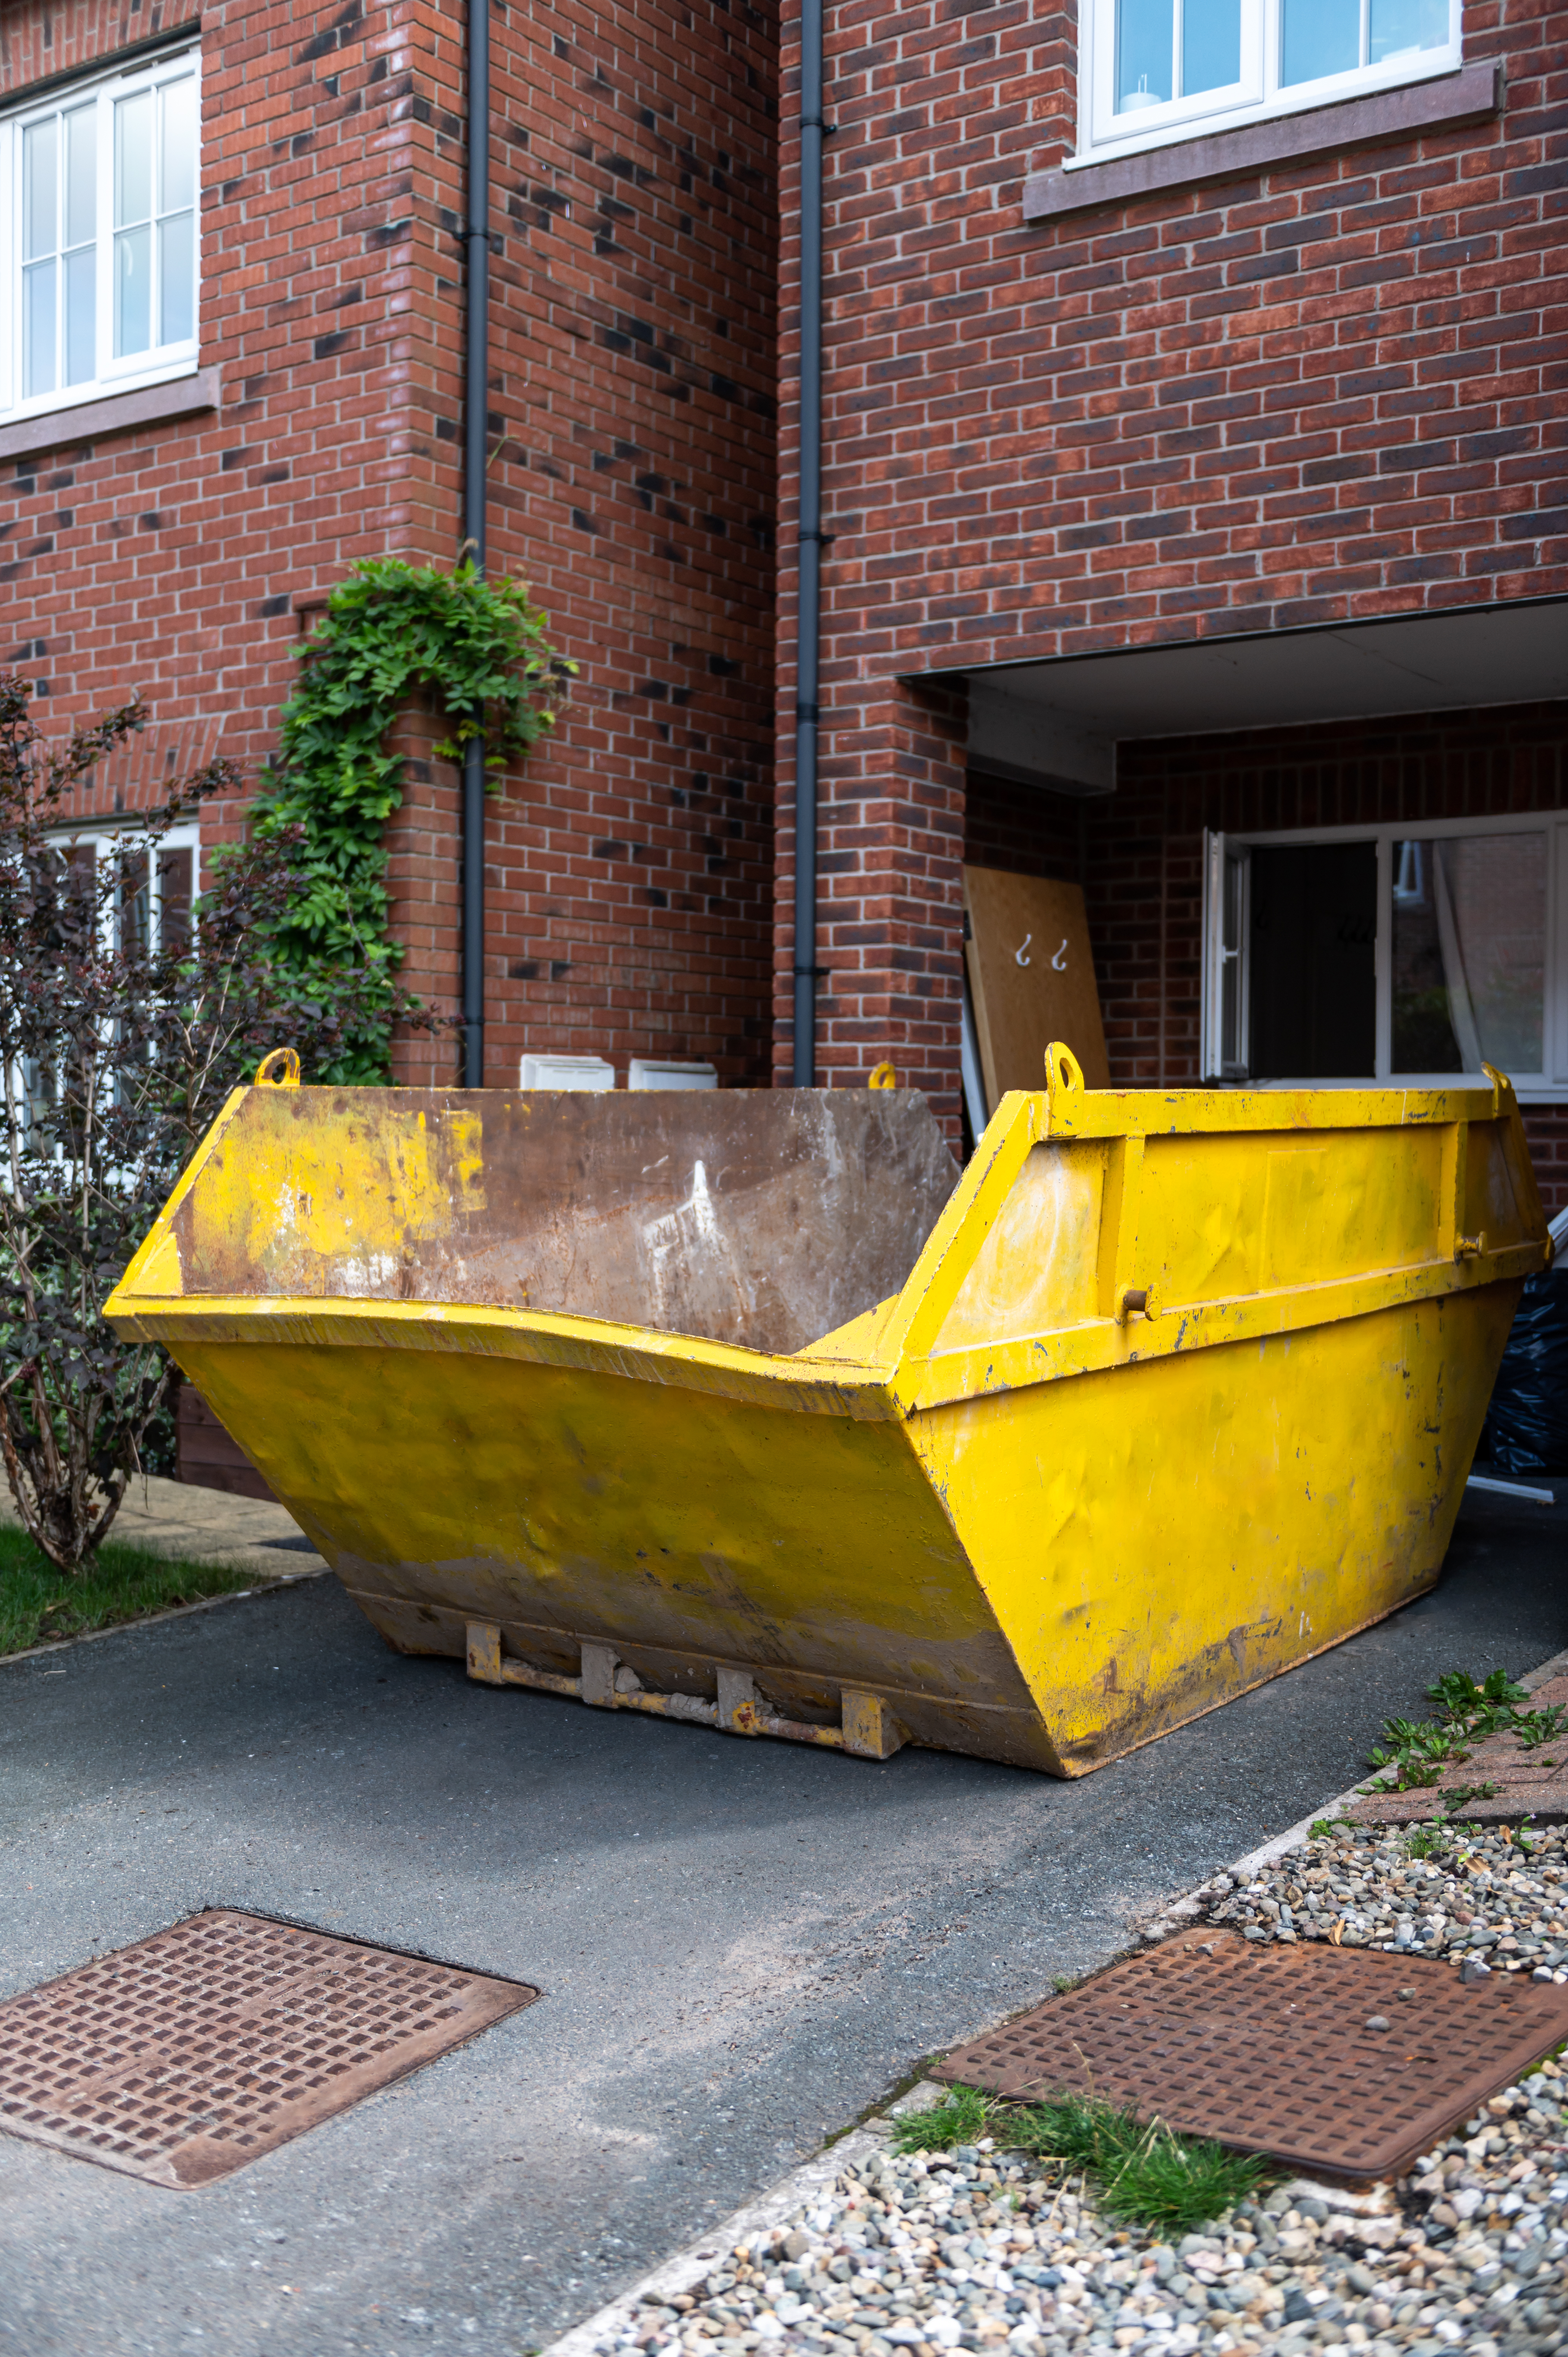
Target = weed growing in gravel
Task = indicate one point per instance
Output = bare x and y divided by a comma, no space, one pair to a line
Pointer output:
1144,2173
960,2118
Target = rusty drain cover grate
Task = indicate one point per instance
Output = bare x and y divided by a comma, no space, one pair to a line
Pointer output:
1268,2049
197,2050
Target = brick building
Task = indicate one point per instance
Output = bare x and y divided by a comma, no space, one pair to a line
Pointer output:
1194,455
1193,462
190,457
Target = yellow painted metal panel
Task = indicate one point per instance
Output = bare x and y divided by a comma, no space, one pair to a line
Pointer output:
1177,1388
1154,1546
694,1530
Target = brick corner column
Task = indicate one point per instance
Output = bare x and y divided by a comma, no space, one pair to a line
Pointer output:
889,893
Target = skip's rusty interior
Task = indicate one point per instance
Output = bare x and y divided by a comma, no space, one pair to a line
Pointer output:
765,1218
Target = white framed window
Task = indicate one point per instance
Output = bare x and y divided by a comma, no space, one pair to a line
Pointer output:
154,900
153,907
1407,954
100,236
1153,71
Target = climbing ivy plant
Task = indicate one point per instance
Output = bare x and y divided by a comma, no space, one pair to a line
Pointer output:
392,631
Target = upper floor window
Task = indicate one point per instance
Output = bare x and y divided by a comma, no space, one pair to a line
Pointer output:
1159,71
98,236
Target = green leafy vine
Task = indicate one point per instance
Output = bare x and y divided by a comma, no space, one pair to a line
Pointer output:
392,631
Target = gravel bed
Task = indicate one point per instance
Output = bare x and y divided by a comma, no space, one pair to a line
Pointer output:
1479,1895
983,2249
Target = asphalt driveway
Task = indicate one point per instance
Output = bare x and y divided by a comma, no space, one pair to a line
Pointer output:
741,1945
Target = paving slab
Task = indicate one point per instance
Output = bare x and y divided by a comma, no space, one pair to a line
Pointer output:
176,1518
742,1946
1526,1779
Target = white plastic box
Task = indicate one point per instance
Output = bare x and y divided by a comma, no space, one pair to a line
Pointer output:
589,1073
648,1072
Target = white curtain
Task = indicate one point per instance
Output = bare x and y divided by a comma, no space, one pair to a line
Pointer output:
1461,1009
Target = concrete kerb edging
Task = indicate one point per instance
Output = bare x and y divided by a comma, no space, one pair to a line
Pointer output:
794,2193
760,2217
264,1583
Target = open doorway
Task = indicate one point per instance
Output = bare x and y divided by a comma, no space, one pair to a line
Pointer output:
1313,987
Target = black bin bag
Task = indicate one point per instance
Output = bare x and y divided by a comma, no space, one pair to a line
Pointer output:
1527,1423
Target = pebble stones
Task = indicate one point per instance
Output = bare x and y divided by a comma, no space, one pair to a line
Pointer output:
981,2250
984,2250
1481,1898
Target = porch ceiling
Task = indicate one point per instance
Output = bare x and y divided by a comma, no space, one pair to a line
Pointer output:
1058,722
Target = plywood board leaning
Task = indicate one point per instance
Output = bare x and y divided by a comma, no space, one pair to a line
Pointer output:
1031,978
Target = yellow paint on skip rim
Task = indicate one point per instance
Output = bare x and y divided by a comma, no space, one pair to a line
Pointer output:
1181,1388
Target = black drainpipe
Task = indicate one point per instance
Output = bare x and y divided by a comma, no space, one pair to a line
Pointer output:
476,403
809,612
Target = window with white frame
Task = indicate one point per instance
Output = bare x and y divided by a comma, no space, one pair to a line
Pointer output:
1153,71
1401,953
99,234
156,893
153,907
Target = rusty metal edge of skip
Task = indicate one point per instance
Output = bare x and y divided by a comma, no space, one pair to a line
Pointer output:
868,1729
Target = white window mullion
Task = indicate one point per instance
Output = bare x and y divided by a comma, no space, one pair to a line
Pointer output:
1225,1014
10,320
1211,995
105,290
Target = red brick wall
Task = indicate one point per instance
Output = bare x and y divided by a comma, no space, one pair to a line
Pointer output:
1021,828
170,558
891,853
1327,391
631,481
633,419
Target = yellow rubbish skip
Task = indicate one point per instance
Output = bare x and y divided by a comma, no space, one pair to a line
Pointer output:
744,1408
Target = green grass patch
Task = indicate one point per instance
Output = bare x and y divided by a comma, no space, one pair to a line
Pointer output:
38,1604
1142,2173
961,2118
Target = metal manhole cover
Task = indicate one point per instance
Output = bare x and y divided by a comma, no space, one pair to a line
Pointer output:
1269,2048
192,2053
